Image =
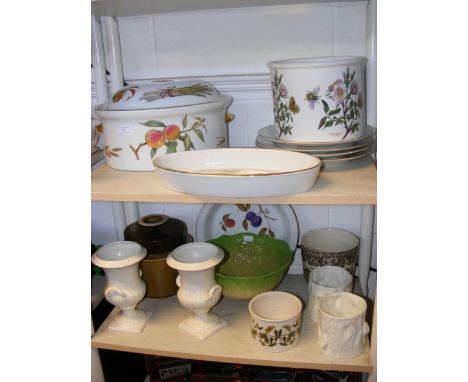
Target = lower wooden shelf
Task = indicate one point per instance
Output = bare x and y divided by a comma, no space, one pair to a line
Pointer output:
232,344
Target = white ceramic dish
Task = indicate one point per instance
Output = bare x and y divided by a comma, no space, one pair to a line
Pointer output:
276,220
329,157
238,172
144,121
320,153
319,99
329,163
268,134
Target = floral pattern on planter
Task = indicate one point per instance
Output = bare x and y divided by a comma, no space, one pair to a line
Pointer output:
198,90
282,111
272,335
171,135
348,103
112,152
124,94
253,219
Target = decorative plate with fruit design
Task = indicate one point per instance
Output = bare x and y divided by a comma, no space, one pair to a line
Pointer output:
278,221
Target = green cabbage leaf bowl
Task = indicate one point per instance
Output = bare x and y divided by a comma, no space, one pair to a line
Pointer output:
252,264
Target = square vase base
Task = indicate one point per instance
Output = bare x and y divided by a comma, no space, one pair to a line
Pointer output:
126,324
204,331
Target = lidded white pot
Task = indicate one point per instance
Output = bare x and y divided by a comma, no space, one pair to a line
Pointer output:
319,99
141,122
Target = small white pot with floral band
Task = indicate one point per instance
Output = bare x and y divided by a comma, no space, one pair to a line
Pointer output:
144,121
275,320
319,99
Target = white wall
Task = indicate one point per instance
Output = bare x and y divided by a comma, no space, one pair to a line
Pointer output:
230,48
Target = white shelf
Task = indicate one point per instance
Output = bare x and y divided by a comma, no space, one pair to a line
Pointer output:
355,183
122,8
232,344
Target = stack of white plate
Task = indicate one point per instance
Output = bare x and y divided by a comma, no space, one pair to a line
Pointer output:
326,151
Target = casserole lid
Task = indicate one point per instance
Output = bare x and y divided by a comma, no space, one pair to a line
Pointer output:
157,233
161,94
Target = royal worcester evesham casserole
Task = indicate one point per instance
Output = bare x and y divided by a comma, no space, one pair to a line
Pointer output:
141,122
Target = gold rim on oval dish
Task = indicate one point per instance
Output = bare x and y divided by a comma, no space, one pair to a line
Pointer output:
244,175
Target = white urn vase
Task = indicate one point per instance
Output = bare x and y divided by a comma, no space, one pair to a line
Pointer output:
125,288
198,290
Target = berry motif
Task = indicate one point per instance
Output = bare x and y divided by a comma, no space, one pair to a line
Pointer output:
250,215
256,221
227,222
252,219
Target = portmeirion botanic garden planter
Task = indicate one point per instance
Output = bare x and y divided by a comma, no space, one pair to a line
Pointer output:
319,99
141,122
275,321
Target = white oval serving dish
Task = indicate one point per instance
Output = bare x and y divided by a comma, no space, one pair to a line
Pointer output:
319,99
238,172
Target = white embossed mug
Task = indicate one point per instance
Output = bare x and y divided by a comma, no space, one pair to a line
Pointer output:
326,280
342,328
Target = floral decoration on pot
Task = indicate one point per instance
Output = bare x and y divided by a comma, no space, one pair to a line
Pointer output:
274,335
254,217
329,98
348,103
283,111
112,152
170,135
275,320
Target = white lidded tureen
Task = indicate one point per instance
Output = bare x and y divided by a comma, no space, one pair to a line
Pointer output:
141,122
